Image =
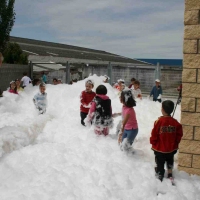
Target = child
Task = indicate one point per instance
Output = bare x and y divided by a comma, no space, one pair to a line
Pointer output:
44,77
40,99
36,82
59,81
101,112
13,88
25,80
55,81
119,83
165,137
129,127
136,90
86,98
132,83
106,78
121,88
157,91
19,88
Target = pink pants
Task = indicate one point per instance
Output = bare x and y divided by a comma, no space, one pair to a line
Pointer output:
101,131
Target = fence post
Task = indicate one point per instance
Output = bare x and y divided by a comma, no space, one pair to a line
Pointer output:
92,69
67,72
157,71
31,70
109,72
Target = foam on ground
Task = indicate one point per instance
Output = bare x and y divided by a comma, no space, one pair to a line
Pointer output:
53,156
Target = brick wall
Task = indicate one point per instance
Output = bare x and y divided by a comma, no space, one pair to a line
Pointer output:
9,72
189,156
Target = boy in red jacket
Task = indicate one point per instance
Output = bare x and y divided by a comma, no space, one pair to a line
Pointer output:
86,98
165,138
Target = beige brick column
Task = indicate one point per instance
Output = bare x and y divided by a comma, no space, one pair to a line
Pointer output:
189,152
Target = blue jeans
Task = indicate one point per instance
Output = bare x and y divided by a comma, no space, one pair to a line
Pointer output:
130,135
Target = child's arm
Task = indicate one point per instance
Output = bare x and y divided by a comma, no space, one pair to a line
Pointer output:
82,99
154,134
151,93
46,103
126,117
90,115
160,90
140,94
35,101
116,114
179,133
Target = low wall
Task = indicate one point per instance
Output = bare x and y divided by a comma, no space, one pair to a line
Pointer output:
9,72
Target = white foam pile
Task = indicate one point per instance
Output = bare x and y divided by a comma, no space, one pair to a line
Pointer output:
53,157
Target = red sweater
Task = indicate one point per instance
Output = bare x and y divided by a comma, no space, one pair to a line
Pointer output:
86,99
166,134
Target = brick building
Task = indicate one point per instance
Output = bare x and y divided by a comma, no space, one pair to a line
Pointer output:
189,156
84,61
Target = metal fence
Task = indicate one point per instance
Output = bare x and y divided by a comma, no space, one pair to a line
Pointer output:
9,72
170,78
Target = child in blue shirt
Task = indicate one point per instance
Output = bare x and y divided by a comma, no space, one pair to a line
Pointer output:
40,99
157,91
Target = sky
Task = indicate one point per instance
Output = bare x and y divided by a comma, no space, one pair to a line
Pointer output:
130,28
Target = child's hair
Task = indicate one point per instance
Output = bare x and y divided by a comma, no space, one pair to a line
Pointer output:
25,73
35,81
127,98
89,82
133,79
121,80
74,80
55,79
101,89
136,82
13,82
42,85
106,77
168,106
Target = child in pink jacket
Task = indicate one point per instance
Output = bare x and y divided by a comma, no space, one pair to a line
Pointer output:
100,113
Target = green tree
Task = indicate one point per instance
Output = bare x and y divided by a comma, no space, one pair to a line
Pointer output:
14,55
7,20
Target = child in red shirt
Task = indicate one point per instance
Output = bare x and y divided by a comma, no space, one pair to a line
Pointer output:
86,98
165,138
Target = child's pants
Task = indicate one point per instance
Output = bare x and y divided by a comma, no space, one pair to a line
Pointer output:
101,131
130,135
160,159
83,116
159,100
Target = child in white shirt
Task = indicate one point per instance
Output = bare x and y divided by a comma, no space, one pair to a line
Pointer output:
136,92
